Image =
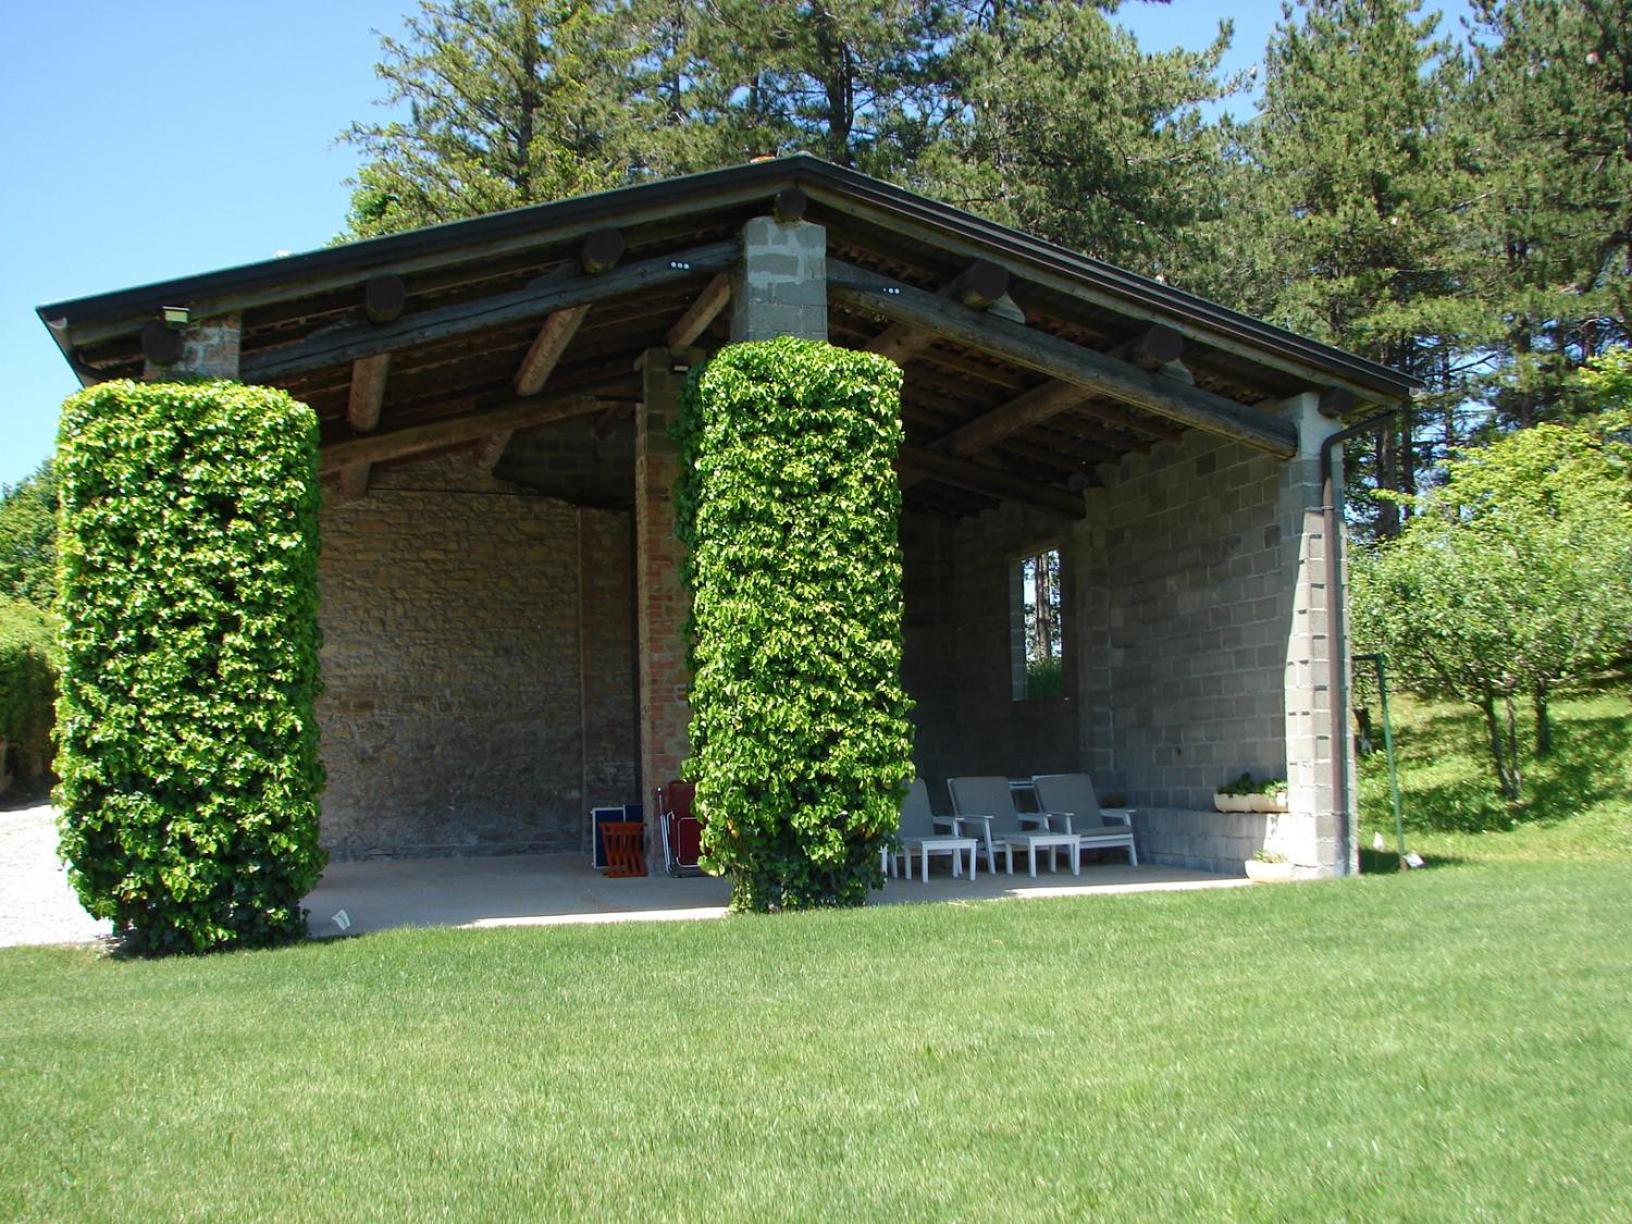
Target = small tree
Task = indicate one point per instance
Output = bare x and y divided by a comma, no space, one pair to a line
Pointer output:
28,677
1515,578
187,727
788,504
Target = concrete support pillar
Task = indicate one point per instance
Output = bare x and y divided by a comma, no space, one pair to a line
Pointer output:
1316,833
661,603
780,288
209,349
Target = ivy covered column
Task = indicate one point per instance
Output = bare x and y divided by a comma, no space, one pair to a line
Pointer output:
789,504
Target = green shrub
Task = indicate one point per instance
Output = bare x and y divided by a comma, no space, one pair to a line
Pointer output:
1045,678
789,507
28,686
187,731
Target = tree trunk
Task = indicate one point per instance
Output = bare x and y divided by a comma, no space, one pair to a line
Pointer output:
1507,774
1544,721
1388,514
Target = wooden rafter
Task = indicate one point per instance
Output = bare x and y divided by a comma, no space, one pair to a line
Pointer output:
1063,360
363,403
704,309
455,430
992,482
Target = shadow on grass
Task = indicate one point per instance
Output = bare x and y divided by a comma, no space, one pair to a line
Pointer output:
1387,862
1556,788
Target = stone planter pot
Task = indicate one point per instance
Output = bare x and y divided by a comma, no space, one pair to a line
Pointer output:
1261,872
1268,803
1233,803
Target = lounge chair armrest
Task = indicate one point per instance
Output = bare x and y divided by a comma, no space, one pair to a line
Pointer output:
944,824
1119,815
983,825
1038,819
1058,822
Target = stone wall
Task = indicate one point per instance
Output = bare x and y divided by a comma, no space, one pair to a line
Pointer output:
471,633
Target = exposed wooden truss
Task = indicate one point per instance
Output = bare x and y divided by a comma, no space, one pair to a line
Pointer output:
1061,359
701,313
348,342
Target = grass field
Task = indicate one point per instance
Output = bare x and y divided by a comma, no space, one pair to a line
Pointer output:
1448,1044
1577,804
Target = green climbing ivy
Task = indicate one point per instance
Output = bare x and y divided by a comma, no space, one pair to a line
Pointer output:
187,730
789,506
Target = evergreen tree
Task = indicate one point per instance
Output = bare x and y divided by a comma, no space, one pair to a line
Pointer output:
1065,127
509,102
1551,101
1344,221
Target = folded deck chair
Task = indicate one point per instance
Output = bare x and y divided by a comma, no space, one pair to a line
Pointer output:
920,836
985,807
1071,797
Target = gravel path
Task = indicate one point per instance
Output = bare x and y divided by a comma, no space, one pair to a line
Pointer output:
36,904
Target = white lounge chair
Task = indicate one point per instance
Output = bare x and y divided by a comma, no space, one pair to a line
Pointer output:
920,836
985,806
1070,798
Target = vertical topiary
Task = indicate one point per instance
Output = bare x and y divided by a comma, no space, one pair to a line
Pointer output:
789,506
186,725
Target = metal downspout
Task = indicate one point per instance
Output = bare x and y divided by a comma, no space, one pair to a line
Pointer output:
1331,498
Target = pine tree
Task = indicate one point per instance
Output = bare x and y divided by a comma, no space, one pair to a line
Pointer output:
1551,101
509,102
1346,205
1064,126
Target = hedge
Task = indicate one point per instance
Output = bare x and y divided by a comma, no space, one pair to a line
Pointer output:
28,679
789,506
187,731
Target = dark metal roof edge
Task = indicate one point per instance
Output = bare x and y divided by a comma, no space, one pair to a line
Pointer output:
774,171
1109,277
390,248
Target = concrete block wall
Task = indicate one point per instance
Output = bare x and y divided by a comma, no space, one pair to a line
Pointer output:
472,631
957,658
1187,622
780,287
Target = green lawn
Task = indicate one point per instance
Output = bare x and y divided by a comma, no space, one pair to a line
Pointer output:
1445,1044
1577,805
1442,1044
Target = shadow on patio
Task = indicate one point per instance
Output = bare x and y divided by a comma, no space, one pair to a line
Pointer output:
551,889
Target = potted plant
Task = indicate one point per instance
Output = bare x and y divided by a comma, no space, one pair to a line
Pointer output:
1270,796
1268,867
1235,796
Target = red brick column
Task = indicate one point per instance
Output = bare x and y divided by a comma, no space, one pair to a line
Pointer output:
661,603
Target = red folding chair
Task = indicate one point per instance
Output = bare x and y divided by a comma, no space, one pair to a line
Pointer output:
681,830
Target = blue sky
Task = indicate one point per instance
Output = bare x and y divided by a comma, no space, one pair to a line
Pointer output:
148,141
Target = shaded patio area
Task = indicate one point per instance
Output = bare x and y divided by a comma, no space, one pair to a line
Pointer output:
559,889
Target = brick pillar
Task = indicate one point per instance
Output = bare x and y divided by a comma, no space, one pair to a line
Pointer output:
661,603
209,349
1317,832
780,288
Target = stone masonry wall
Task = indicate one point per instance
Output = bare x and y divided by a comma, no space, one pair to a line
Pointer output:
471,631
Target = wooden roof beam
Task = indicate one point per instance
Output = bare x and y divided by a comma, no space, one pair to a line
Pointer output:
989,481
347,342
456,430
363,404
704,309
978,286
1061,359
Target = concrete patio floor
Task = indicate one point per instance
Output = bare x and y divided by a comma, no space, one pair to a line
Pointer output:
553,889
